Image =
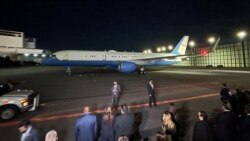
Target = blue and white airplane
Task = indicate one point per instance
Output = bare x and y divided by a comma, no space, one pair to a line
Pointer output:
121,61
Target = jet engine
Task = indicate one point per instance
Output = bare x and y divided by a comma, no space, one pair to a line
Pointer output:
127,67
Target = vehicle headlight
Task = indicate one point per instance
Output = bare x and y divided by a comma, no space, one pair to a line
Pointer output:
24,102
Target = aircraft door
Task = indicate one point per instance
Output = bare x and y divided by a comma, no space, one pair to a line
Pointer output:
66,56
104,56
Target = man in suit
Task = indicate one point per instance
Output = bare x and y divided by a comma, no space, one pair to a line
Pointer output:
244,126
28,133
116,90
86,126
225,124
224,93
124,123
151,93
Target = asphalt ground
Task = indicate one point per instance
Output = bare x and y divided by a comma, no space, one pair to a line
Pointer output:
62,96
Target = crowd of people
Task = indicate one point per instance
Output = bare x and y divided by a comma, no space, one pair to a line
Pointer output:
232,124
117,124
113,125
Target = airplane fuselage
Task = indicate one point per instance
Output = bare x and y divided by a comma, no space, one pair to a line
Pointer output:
123,61
105,58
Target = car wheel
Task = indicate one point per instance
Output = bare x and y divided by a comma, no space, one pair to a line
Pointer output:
8,112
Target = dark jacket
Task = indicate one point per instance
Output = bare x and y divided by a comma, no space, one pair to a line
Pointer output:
202,131
172,132
150,89
124,125
244,129
224,93
86,128
225,126
107,130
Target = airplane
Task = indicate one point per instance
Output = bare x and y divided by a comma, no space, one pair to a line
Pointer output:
122,61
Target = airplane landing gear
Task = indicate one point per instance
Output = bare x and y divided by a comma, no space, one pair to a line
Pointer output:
68,71
141,70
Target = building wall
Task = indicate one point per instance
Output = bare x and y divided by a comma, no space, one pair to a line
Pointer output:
30,43
11,39
228,55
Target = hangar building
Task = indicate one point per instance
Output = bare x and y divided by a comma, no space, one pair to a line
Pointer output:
234,55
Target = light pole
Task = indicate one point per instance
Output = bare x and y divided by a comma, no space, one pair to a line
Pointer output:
241,35
146,51
211,40
149,51
192,45
158,49
170,47
163,48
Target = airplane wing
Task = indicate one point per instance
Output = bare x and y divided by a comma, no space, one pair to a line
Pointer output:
205,51
181,56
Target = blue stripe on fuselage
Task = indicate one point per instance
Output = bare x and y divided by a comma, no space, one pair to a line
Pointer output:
162,63
55,62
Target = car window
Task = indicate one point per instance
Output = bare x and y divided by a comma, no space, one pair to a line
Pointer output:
4,88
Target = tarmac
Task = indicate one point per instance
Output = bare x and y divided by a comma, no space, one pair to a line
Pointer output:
62,96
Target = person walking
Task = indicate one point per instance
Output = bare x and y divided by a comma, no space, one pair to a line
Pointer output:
116,90
107,130
86,126
151,93
28,132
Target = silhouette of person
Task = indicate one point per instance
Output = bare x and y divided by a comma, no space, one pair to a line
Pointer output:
151,93
124,123
28,133
224,93
86,126
202,130
107,130
116,90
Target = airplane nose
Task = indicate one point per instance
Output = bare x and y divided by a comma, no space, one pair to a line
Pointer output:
45,60
48,60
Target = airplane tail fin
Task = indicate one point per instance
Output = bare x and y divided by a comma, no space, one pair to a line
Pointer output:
181,47
215,45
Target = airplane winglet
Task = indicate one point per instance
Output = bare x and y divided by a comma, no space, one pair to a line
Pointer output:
215,45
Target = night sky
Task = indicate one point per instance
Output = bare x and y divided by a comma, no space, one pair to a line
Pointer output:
130,25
